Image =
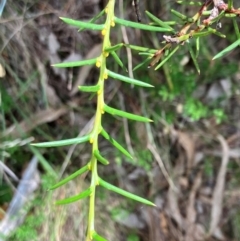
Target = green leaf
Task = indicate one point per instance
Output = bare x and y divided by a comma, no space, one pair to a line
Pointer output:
230,15
67,142
82,195
114,48
94,18
44,163
140,49
158,21
72,176
191,3
146,54
76,63
100,157
93,88
236,28
178,14
125,114
140,25
115,143
194,58
208,32
167,58
202,33
128,80
81,24
97,237
219,34
141,64
117,59
227,50
124,193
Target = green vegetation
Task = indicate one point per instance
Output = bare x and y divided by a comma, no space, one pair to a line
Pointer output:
185,65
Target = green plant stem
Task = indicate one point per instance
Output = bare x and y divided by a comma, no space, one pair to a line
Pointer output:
230,4
101,62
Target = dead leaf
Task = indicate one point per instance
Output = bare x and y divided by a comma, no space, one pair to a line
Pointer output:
217,199
157,224
152,148
191,212
173,209
188,144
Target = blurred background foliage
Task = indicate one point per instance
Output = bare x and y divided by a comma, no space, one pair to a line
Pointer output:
190,111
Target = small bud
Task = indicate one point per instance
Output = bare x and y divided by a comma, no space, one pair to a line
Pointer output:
103,32
106,54
91,140
112,23
105,76
98,63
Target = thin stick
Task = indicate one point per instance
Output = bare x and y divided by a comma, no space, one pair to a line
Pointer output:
137,11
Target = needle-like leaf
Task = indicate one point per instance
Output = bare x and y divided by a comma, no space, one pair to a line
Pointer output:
97,237
115,143
94,18
114,48
81,24
69,178
100,158
75,63
140,49
117,59
67,142
124,193
128,80
194,58
158,21
167,58
93,88
82,195
141,26
125,114
142,63
227,50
